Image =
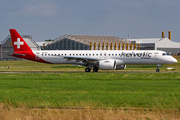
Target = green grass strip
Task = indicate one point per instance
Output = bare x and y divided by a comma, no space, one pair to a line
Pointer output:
96,90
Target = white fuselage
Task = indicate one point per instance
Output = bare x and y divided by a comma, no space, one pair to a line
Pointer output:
125,56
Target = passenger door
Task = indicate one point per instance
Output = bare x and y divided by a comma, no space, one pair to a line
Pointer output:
156,56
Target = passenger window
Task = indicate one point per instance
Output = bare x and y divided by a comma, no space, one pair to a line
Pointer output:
96,54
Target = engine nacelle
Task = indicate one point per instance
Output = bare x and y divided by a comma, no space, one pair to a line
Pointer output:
111,65
120,67
107,65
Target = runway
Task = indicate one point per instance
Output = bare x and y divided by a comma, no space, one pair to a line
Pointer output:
46,72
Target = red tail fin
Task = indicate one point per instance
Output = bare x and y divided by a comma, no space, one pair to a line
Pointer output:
18,42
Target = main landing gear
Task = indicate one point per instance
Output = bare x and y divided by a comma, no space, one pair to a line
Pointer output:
87,70
95,69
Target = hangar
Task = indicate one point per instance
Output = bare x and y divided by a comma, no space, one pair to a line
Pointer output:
85,42
164,44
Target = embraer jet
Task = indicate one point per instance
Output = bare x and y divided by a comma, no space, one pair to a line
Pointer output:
93,59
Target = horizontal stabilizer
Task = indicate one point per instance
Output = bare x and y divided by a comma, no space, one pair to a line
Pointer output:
18,54
11,54
8,53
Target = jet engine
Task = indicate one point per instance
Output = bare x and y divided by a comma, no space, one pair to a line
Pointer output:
120,67
111,65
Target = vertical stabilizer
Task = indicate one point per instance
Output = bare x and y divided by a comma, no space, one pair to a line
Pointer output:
18,42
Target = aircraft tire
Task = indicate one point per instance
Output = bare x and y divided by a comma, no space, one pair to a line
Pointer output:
95,69
157,70
87,70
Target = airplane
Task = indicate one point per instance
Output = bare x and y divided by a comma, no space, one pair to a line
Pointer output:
93,59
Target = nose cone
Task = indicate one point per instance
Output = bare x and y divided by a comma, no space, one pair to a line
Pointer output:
173,60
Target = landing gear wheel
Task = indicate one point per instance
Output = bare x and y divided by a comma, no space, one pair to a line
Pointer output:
157,70
95,69
87,70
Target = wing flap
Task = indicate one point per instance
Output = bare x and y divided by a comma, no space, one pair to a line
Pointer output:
78,59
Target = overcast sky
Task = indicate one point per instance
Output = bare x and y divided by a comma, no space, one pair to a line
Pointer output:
49,19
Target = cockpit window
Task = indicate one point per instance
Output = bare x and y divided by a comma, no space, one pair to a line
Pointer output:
165,54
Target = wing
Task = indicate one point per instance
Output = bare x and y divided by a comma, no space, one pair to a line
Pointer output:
86,60
83,59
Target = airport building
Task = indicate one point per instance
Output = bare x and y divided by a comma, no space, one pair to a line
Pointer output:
164,44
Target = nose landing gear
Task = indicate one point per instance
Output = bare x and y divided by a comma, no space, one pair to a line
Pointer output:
157,70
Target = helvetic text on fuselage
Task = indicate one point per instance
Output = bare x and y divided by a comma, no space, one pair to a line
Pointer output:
143,55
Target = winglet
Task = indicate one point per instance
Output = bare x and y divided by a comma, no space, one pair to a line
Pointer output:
18,42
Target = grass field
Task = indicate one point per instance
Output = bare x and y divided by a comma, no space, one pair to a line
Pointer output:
88,95
95,90
98,91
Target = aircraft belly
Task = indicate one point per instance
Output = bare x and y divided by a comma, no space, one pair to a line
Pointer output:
140,61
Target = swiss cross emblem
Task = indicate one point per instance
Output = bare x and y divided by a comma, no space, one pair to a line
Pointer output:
18,43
